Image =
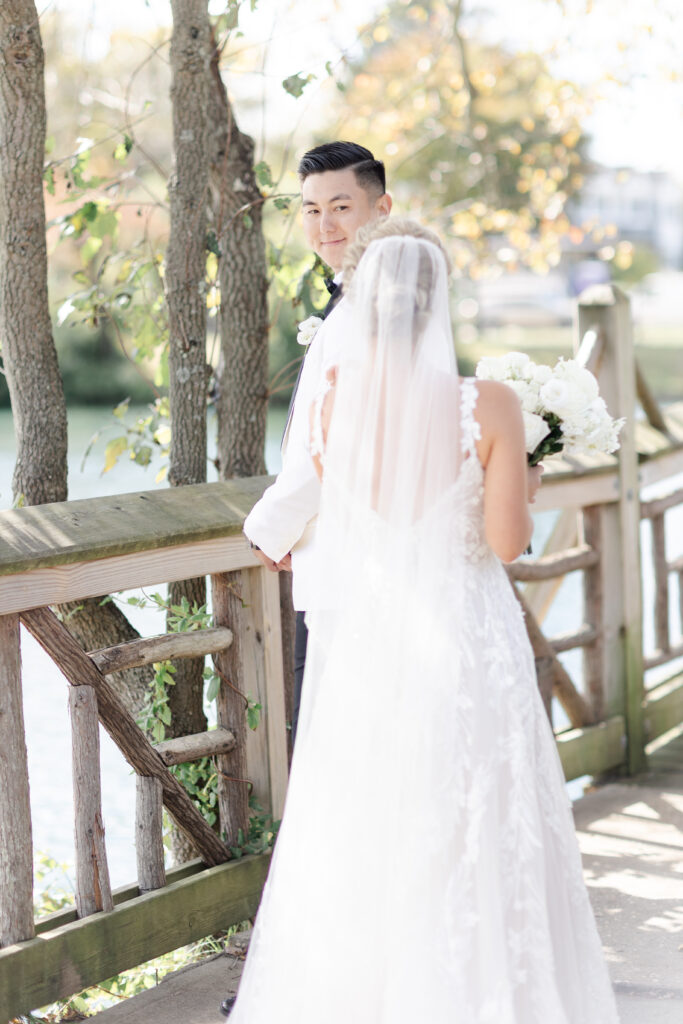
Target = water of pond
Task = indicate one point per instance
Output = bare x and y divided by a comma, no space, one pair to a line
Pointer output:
45,690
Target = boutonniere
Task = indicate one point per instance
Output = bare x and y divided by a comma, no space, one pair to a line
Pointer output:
307,330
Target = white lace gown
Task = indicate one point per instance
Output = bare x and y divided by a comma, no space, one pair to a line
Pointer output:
427,870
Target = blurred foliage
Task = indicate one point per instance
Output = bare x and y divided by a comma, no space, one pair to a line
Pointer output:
483,144
641,260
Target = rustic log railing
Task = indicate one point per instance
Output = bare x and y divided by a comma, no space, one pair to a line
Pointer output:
57,553
612,715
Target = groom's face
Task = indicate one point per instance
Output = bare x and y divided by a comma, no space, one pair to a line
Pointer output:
334,207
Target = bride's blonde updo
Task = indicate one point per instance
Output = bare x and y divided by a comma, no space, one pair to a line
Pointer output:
386,227
421,289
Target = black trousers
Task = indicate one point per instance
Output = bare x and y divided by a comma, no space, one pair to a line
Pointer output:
300,644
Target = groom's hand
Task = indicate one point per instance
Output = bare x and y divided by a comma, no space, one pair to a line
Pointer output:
265,561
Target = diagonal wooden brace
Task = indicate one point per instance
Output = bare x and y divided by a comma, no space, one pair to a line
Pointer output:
78,668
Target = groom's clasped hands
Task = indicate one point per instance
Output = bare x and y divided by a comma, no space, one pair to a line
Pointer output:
284,565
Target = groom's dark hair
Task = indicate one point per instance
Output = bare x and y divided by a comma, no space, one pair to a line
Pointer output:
335,156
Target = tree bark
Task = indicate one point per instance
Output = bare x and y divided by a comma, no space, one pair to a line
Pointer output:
242,374
29,356
186,296
186,255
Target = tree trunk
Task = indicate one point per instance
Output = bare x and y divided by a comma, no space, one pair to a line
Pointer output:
29,356
242,374
186,296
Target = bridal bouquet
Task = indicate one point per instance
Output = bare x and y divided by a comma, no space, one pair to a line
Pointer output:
562,408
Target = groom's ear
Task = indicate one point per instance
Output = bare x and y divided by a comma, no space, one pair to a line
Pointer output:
384,204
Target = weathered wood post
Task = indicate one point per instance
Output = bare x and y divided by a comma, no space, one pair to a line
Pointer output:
607,308
149,840
93,889
16,846
233,784
264,681
249,604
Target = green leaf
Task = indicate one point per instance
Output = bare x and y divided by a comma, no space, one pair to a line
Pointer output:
213,688
296,84
89,211
90,249
49,176
143,456
263,174
123,148
253,716
105,223
212,243
247,221
121,409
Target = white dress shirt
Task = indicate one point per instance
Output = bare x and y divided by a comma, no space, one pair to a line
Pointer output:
284,519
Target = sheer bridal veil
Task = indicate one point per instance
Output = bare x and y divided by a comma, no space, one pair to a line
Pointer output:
393,455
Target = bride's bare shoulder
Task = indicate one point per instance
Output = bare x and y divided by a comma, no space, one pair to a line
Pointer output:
495,399
498,413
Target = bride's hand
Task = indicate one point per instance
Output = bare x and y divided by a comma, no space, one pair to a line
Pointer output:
534,474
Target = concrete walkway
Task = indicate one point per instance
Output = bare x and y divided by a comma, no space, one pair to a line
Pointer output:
631,837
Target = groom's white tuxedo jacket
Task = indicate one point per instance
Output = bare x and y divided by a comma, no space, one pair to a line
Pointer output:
285,517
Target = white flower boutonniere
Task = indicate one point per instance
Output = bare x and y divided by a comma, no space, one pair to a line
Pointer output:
307,330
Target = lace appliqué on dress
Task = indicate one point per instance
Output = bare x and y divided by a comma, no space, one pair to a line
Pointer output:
470,431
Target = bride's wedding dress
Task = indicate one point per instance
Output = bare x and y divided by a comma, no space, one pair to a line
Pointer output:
427,870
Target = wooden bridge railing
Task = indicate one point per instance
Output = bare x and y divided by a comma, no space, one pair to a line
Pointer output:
58,553
612,715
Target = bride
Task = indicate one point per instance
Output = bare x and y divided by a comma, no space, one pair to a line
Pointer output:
426,870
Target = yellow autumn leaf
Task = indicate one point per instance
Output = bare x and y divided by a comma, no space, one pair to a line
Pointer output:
112,452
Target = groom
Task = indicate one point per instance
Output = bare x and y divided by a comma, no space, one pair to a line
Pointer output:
342,188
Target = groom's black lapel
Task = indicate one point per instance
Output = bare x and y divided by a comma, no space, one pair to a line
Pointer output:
335,291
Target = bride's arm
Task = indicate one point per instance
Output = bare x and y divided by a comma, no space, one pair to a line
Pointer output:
507,485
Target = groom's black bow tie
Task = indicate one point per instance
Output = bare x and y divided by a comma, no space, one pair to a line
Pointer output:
331,285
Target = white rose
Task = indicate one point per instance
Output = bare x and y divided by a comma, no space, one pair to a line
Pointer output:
490,368
535,430
562,397
542,373
527,394
579,376
516,363
307,329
